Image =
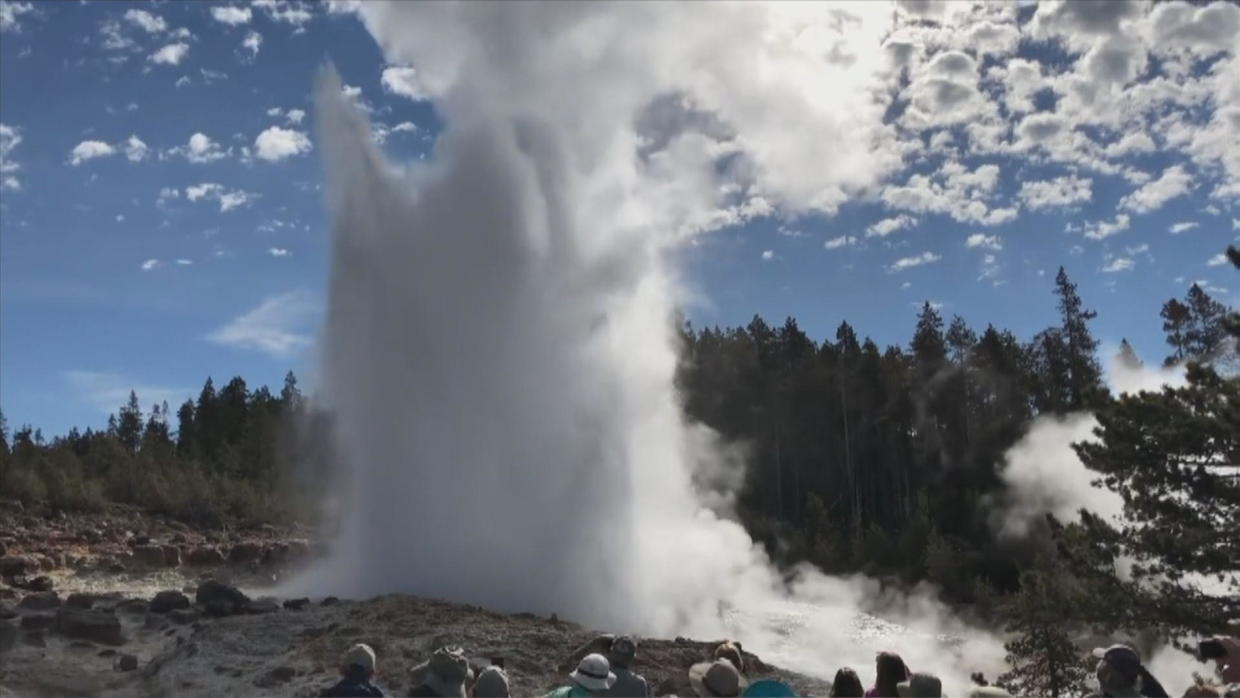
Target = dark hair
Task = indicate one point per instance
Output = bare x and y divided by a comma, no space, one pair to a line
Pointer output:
847,684
889,670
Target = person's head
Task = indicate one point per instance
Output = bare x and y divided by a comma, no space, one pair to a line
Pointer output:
717,679
358,662
593,673
1225,651
731,651
889,670
622,652
446,671
492,682
1119,668
847,684
920,685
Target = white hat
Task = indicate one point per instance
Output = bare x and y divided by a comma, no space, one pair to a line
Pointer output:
594,673
360,655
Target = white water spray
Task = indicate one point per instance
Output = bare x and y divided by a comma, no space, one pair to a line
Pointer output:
499,347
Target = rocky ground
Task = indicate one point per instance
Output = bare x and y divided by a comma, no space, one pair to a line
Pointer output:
125,604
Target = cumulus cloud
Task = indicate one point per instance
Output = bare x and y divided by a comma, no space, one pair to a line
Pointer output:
277,326
1118,264
11,12
10,138
841,241
768,255
89,150
149,23
135,149
200,149
1175,181
983,241
151,264
1056,193
887,226
276,143
1098,230
170,54
213,191
294,13
294,116
914,261
953,190
1217,260
252,43
231,14
403,81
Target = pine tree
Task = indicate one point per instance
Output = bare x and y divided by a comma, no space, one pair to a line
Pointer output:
1205,333
185,429
1175,317
1084,373
1043,659
129,424
1127,357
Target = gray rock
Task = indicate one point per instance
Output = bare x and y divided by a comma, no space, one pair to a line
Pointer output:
95,626
38,621
220,599
170,600
12,565
40,601
127,662
245,552
78,600
184,616
148,555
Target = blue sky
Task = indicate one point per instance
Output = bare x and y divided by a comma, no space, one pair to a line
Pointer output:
161,214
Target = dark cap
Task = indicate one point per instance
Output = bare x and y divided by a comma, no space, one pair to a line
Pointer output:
1122,658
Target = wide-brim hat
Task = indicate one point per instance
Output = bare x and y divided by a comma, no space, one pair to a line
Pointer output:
446,671
717,679
594,672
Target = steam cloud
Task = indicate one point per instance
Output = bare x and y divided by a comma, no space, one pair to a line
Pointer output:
499,346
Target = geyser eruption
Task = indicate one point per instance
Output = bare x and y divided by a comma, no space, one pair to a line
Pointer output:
499,348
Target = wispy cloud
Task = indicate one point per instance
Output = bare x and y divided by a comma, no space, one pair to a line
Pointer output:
276,327
107,390
915,261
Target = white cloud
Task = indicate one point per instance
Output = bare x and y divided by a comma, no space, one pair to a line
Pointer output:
841,241
768,255
953,190
275,327
402,127
1203,29
1184,227
915,261
169,193
282,252
404,82
1175,181
1057,192
200,149
231,14
150,23
293,13
10,12
1118,264
108,391
294,116
277,143
253,42
184,262
89,150
1217,260
150,264
170,54
10,138
887,226
986,242
228,200
210,76
1097,230
182,81
135,149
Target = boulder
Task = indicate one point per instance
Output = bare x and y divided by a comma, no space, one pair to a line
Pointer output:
12,565
208,555
95,626
38,621
8,636
296,604
256,608
148,555
40,583
219,599
127,662
245,552
172,555
170,600
6,612
40,601
330,601
132,606
184,616
78,600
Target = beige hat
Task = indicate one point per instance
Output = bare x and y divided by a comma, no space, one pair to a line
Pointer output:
594,673
360,655
492,683
717,679
446,671
732,652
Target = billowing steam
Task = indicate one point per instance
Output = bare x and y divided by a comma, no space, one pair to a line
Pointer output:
499,346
